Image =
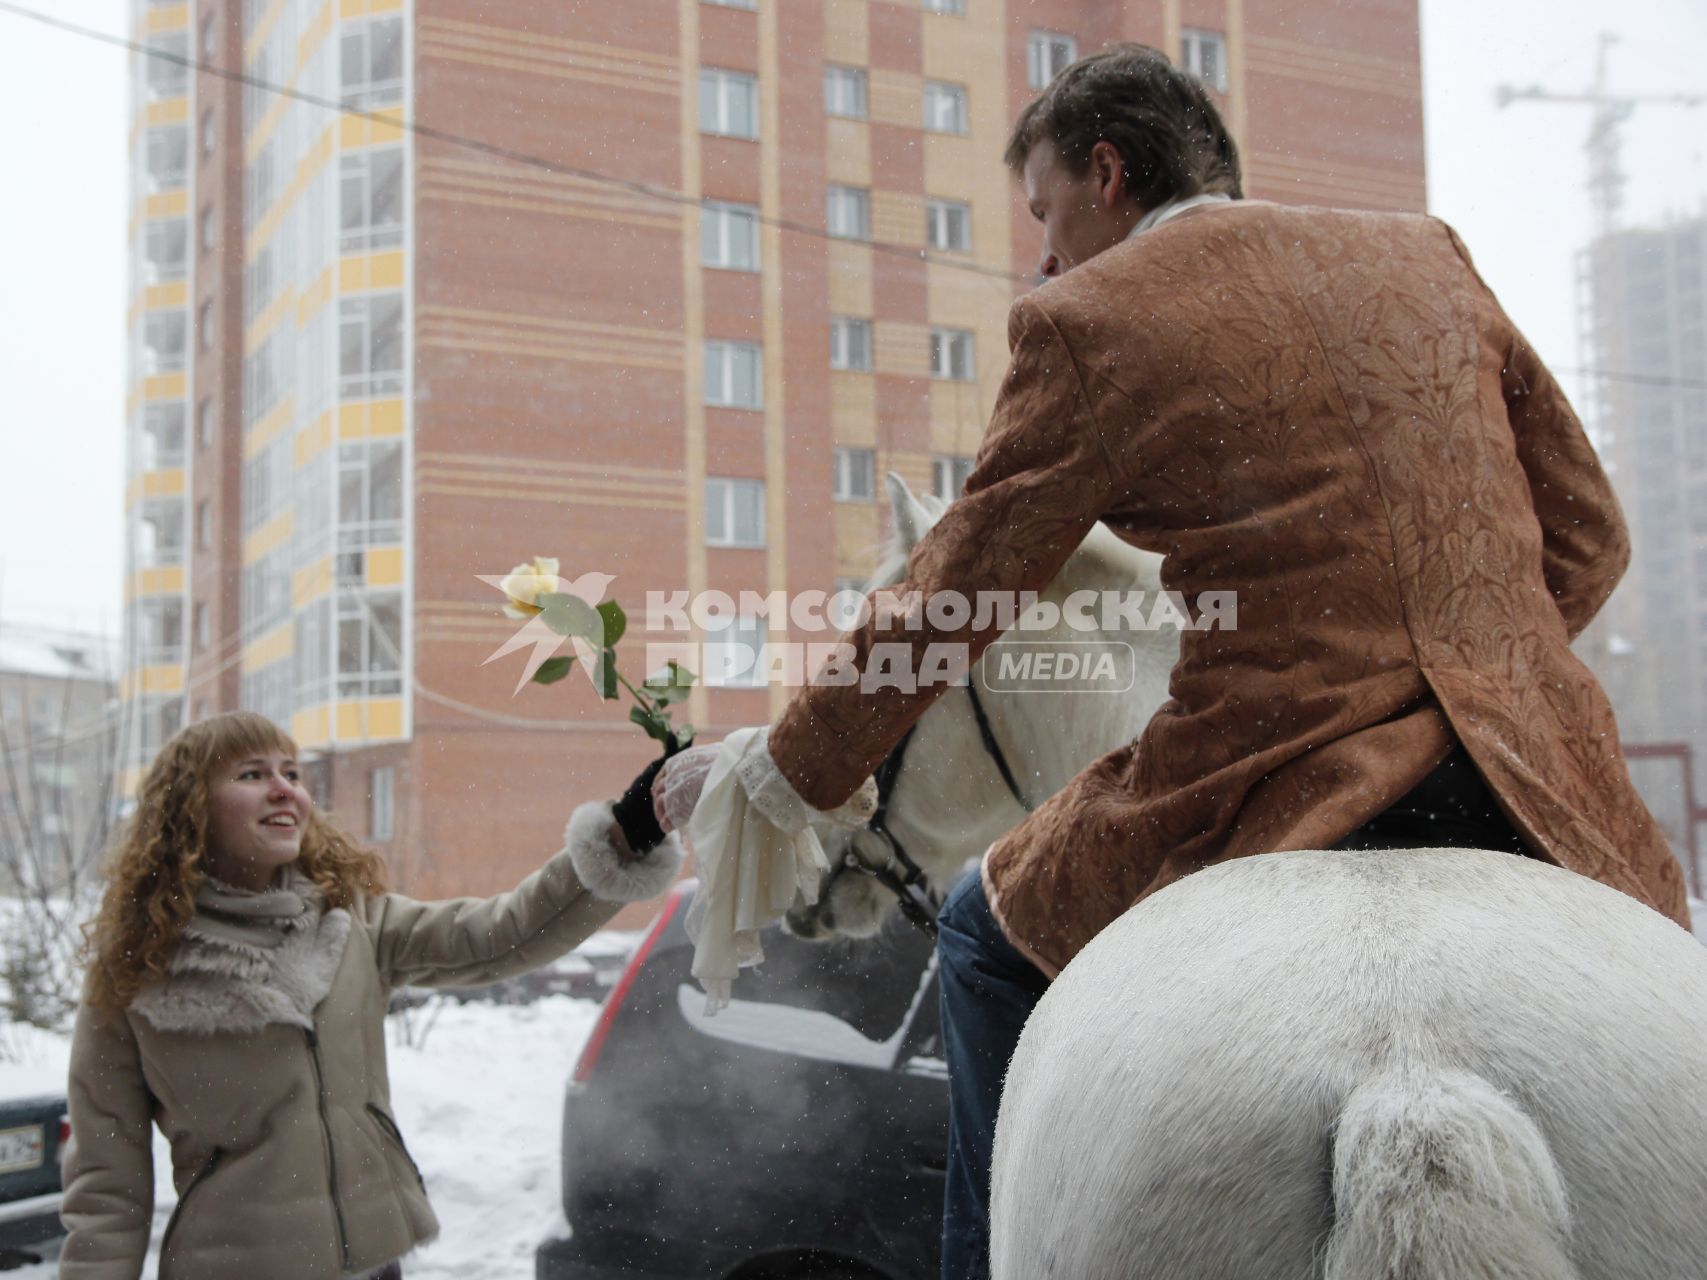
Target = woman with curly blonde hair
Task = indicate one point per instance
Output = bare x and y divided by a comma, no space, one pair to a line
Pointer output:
239,971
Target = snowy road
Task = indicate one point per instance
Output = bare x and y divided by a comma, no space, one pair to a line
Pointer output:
480,1103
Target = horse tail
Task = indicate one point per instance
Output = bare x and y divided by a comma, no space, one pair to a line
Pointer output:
1439,1176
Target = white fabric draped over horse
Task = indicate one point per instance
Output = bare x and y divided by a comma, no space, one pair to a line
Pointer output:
1404,1065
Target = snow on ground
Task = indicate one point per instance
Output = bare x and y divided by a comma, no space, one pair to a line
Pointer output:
479,1097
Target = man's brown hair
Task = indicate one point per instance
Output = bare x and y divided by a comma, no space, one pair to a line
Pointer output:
1170,136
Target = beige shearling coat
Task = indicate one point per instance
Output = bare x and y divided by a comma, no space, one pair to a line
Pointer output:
1329,413
286,1157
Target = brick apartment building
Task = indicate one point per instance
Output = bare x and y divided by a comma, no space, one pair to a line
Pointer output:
372,362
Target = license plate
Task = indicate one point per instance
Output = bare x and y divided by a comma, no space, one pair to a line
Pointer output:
22,1148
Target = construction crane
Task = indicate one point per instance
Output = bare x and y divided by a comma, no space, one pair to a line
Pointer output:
1605,176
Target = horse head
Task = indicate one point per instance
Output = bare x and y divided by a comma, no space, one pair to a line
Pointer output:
949,797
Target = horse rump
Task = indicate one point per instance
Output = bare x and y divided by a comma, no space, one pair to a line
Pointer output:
1437,1175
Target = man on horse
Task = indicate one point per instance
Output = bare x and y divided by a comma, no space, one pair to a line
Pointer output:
1326,411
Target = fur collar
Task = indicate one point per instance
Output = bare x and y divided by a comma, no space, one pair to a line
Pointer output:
248,960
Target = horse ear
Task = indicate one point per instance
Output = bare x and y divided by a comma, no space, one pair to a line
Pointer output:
913,520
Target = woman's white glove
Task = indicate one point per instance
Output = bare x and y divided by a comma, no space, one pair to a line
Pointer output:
677,788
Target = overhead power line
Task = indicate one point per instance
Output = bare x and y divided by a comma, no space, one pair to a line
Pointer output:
651,191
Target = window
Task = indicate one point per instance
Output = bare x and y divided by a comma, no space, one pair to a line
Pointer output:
850,344
370,345
948,225
370,496
210,36
945,107
955,7
734,513
1204,55
204,424
160,533
728,104
259,185
204,526
165,250
210,133
845,92
951,354
381,815
948,475
370,643
203,627
735,653
167,72
733,375
165,342
161,623
370,199
166,156
855,475
1048,54
163,435
849,215
209,228
371,61
204,326
729,236
735,4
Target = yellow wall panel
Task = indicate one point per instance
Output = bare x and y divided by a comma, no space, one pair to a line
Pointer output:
162,680
312,727
847,32
898,218
160,297
385,270
853,408
847,152
171,17
167,580
902,348
163,386
163,484
168,204
896,97
269,537
349,722
171,111
850,279
385,718
385,417
270,428
384,566
858,538
313,438
310,583
268,320
270,648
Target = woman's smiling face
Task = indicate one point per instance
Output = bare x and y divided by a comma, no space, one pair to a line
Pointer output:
257,809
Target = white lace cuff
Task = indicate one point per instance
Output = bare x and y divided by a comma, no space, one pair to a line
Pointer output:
775,797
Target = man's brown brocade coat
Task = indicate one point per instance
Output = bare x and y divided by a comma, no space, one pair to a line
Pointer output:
1329,413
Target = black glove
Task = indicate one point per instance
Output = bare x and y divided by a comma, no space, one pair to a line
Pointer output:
634,813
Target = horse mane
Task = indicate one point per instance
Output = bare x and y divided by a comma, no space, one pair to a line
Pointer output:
1103,556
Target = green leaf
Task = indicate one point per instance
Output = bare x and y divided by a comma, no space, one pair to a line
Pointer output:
552,670
656,724
569,615
670,685
615,620
604,675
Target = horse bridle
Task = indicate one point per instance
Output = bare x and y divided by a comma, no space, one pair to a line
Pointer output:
901,875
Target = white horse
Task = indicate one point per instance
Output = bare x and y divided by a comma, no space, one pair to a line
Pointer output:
1414,1065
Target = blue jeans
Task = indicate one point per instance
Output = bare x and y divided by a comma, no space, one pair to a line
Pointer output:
988,991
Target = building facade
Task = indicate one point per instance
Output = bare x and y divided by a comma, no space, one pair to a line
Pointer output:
1644,323
59,730
660,288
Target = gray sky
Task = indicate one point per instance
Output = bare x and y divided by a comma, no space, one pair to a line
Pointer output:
1511,181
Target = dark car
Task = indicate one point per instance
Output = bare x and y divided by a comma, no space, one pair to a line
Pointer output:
33,1132
800,1132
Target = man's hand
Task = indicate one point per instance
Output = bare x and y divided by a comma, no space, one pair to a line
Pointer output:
676,789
